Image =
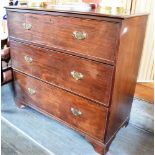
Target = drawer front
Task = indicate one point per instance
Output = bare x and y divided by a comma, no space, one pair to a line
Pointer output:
86,37
75,111
87,78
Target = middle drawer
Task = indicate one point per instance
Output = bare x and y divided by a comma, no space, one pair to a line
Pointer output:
86,78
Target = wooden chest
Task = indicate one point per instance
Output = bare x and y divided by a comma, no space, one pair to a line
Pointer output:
80,68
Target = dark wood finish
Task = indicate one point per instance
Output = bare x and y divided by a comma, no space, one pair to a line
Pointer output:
7,75
108,58
58,103
56,68
98,146
57,32
3,43
6,70
127,64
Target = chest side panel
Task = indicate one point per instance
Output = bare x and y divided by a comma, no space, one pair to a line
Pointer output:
127,65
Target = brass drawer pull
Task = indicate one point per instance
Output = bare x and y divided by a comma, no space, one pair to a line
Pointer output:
77,75
76,112
79,35
27,26
31,91
28,59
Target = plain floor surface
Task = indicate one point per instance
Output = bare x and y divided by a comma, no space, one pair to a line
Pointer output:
46,135
14,142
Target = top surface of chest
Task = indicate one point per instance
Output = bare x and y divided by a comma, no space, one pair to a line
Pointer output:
74,11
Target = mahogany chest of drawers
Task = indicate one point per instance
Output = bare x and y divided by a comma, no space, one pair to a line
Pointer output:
80,68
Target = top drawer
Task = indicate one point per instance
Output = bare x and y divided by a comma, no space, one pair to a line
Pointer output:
85,37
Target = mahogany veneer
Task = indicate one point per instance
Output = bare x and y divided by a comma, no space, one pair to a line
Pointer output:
56,68
80,68
51,31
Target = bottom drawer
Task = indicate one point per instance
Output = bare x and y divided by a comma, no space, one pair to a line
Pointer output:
76,112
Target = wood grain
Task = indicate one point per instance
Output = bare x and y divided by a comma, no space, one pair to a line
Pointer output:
58,103
108,58
145,91
128,60
57,32
56,68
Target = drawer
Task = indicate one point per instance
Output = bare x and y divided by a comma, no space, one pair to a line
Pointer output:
74,111
87,78
87,37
